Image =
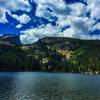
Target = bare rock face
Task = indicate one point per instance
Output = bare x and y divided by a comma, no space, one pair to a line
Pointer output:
12,38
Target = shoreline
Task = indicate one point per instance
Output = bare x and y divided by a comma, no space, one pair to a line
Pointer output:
84,73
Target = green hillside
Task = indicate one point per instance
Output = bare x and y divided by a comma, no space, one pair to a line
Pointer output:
52,54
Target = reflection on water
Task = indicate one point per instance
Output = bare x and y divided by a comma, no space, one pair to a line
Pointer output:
49,86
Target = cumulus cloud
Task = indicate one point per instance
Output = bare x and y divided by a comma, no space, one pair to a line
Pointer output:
73,15
3,16
23,19
94,8
95,27
48,8
19,26
33,34
12,5
79,26
78,29
78,9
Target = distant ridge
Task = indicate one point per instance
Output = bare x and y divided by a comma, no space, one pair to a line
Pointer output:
56,54
12,38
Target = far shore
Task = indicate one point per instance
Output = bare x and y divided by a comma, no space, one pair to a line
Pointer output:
87,73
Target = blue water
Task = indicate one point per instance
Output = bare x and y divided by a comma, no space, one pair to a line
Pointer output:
49,86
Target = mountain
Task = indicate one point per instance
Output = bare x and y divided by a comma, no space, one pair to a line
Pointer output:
10,38
52,54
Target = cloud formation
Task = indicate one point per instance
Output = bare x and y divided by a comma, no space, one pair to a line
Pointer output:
19,26
3,16
33,34
12,5
23,19
80,17
94,8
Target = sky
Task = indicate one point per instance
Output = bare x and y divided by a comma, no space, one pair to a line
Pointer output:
35,19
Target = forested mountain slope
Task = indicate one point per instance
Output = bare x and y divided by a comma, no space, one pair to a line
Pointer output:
52,54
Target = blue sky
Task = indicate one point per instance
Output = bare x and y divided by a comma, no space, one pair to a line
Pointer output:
34,19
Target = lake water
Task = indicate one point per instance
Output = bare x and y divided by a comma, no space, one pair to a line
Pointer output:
48,86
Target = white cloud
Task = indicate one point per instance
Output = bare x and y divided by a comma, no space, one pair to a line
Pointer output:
23,19
57,7
12,5
96,27
79,26
33,34
90,37
19,26
94,8
73,15
78,9
78,29
3,16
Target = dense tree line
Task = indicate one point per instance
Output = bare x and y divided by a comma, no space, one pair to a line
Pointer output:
52,54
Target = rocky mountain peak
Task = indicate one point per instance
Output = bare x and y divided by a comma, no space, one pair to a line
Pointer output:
12,38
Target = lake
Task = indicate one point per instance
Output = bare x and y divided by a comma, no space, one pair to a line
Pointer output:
48,86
